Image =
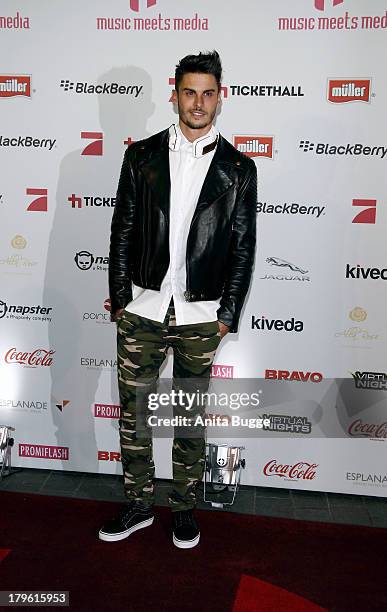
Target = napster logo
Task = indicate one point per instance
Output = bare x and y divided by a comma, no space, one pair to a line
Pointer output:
15,85
255,146
135,4
365,216
320,4
349,90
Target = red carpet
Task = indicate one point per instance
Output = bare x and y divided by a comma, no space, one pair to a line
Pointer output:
243,564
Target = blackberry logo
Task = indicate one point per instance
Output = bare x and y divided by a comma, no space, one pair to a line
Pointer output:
67,85
83,87
306,145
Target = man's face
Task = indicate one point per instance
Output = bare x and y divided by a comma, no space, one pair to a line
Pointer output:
197,99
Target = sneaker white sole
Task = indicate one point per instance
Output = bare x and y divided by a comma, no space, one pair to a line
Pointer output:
115,537
186,543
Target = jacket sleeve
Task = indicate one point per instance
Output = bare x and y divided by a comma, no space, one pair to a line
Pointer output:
242,251
120,282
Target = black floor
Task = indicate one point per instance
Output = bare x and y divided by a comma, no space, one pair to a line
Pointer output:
262,501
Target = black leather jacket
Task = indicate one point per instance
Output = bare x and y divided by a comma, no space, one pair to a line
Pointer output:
221,240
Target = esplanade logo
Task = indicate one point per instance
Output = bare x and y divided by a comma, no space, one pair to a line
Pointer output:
12,85
349,90
255,146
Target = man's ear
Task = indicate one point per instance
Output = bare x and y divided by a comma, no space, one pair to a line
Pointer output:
174,96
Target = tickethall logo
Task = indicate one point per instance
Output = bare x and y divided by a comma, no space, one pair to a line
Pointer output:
12,85
358,149
83,87
135,4
358,272
284,423
299,274
77,201
27,142
264,324
255,146
301,470
96,146
86,261
62,404
365,216
293,91
298,375
28,313
290,209
370,380
320,4
40,203
349,90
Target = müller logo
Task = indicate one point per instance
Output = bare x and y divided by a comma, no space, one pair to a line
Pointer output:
301,470
320,4
15,85
349,90
255,146
135,4
38,357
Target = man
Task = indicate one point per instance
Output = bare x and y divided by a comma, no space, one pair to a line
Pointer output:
181,255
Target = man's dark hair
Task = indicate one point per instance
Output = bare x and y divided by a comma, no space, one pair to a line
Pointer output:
209,63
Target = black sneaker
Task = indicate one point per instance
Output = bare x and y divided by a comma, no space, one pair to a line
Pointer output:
131,517
186,532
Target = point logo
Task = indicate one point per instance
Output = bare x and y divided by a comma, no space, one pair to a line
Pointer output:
135,4
320,4
368,215
255,146
15,85
90,201
349,90
95,147
39,204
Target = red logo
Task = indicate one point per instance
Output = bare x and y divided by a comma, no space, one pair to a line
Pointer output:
38,204
109,456
301,470
368,215
349,90
315,377
15,85
320,4
41,451
135,4
222,371
255,146
95,147
107,411
39,357
359,429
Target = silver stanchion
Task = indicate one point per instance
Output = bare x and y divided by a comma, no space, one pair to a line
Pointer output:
222,471
6,443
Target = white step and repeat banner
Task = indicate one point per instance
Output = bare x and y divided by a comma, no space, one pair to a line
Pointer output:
304,95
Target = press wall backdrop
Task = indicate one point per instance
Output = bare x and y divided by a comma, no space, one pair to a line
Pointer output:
304,95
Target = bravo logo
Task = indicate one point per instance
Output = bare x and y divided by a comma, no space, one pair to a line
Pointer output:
315,377
255,146
15,85
349,90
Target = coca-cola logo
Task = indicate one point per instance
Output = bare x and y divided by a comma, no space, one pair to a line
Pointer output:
360,429
38,357
301,470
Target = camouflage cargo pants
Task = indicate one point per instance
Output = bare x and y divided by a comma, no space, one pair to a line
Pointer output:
142,345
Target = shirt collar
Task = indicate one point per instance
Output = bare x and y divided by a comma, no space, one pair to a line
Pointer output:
198,147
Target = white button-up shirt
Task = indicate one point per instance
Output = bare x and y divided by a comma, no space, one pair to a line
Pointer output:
188,168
